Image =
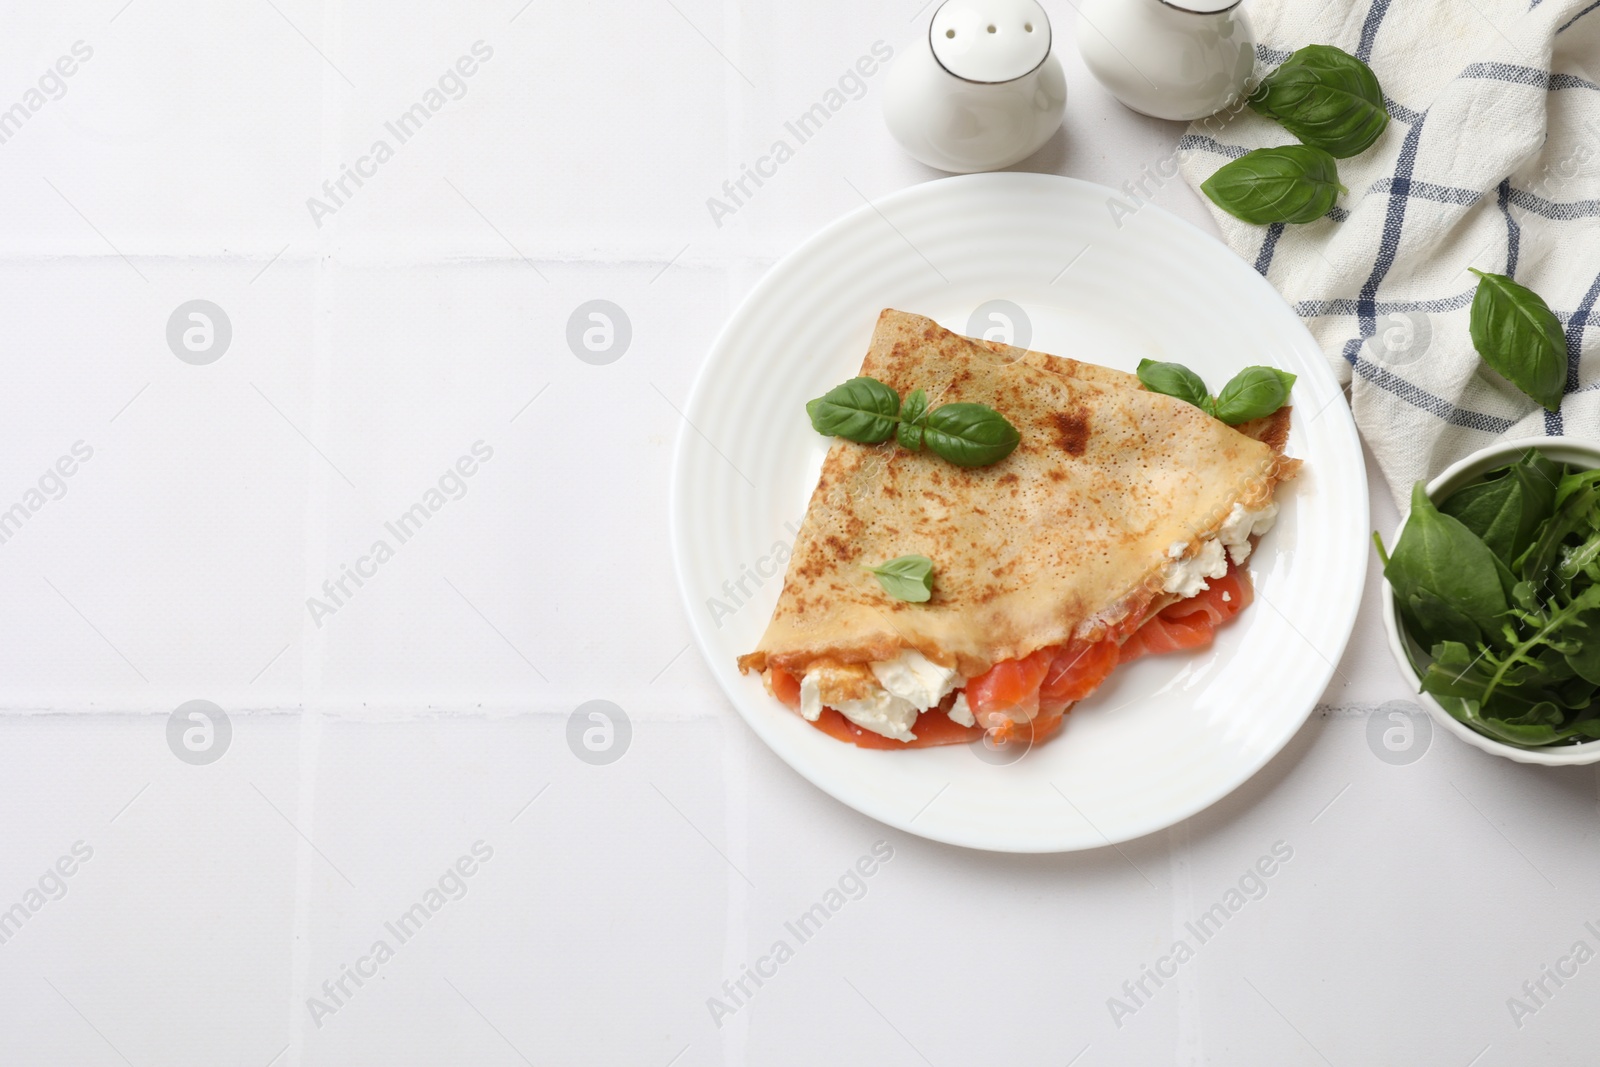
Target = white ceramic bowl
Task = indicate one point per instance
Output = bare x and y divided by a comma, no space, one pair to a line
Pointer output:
1562,450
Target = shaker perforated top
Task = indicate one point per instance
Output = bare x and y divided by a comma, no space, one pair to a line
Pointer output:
990,40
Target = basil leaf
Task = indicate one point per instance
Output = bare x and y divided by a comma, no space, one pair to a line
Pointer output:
1518,335
1254,393
912,411
862,409
1174,379
1326,97
1437,555
969,435
1293,183
908,578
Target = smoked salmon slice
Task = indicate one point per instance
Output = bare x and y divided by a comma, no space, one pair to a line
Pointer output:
1192,623
1025,700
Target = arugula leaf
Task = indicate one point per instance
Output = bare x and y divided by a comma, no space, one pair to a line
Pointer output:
862,409
1544,630
1572,482
1581,559
1253,393
1292,183
908,578
1326,97
1518,335
1573,516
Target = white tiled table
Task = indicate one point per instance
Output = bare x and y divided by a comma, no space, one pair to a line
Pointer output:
421,722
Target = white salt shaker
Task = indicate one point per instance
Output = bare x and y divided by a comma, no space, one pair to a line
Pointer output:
1172,59
983,91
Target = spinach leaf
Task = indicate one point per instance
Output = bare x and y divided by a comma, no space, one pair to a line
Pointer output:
1492,510
1436,554
1534,729
1326,97
1292,183
1584,659
1518,335
1430,620
1543,476
1507,507
1458,682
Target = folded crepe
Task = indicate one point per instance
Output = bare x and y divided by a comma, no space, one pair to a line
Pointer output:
1074,536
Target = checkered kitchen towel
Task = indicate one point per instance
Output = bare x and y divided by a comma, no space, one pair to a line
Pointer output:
1491,160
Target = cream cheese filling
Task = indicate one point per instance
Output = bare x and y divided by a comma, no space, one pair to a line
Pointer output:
1187,577
903,688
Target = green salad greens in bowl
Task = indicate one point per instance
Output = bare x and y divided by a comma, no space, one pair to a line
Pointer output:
1494,599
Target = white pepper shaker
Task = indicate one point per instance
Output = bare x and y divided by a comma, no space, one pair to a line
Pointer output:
983,91
1172,59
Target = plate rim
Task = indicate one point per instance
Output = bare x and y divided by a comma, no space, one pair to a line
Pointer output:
1328,662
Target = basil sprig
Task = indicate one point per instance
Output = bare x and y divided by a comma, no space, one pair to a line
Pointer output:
1498,590
1326,97
868,411
1253,393
908,578
1291,183
1518,335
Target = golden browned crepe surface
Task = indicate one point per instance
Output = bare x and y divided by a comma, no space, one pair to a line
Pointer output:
1060,539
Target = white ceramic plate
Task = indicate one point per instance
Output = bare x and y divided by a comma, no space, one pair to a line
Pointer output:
1165,736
